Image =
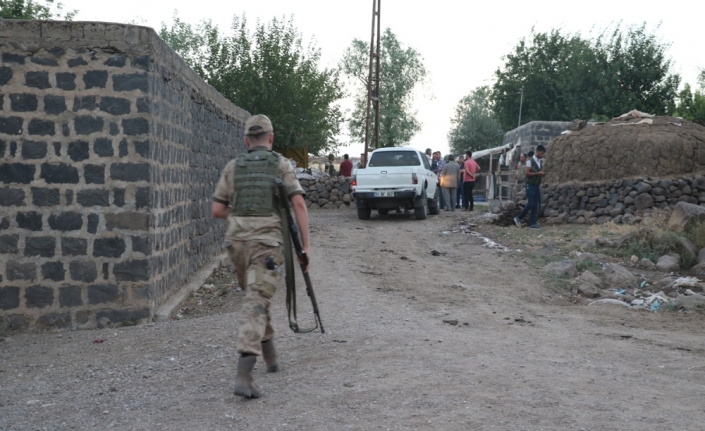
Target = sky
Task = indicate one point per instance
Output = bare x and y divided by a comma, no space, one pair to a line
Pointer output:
462,42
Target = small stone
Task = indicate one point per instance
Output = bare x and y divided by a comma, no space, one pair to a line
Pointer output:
646,264
668,263
564,268
683,215
701,256
618,276
643,201
588,257
588,290
103,322
590,278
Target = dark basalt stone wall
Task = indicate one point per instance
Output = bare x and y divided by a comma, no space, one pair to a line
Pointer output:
110,148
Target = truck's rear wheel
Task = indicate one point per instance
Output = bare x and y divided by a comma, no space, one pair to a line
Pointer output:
364,213
422,212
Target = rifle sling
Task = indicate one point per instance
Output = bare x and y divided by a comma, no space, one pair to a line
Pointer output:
290,274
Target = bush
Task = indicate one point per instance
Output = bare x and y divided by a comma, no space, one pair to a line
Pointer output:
651,244
696,233
589,265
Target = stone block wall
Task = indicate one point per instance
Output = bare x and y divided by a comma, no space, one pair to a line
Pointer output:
619,201
534,134
111,147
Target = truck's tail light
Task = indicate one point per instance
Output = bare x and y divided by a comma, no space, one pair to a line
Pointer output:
354,181
414,179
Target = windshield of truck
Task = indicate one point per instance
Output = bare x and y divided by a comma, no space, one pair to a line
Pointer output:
394,158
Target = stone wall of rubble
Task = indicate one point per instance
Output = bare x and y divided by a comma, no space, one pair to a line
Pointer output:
327,192
619,201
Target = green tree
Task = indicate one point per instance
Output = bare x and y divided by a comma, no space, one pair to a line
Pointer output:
191,42
566,76
691,105
474,125
31,9
401,70
267,71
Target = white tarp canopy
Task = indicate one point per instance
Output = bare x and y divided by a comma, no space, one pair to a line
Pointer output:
496,150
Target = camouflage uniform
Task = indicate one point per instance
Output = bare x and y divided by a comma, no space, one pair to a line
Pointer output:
250,241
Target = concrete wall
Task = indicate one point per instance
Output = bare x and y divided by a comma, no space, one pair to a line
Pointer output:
534,134
111,146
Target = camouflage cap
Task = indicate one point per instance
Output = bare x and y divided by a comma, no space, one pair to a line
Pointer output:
258,124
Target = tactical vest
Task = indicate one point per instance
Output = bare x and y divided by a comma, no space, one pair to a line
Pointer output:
255,184
534,180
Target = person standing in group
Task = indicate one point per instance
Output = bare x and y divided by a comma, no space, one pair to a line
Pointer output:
363,161
247,196
460,196
469,170
449,182
439,163
428,155
520,175
534,175
330,166
346,166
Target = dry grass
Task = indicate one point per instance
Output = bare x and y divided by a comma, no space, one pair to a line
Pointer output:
650,240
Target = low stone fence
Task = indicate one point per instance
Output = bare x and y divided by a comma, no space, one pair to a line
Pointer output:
327,192
619,201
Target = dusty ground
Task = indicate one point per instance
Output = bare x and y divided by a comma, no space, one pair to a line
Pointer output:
522,356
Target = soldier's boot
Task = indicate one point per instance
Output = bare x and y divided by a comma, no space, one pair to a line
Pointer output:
244,381
269,353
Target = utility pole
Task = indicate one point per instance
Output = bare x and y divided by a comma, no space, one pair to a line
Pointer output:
375,99
520,104
373,94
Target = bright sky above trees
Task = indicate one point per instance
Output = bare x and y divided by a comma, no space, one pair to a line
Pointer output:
462,42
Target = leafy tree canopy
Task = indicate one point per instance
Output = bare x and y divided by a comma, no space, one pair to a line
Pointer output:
691,104
401,70
266,71
34,9
566,76
474,125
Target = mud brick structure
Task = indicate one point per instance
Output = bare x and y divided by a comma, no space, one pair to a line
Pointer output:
110,150
623,169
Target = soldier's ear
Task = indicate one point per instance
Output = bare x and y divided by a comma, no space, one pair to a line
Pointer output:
271,138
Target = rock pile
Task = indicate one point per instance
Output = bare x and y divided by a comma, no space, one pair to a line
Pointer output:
327,192
616,284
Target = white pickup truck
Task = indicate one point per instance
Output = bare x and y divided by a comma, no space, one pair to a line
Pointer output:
398,177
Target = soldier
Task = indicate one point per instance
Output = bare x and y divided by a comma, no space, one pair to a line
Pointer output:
247,196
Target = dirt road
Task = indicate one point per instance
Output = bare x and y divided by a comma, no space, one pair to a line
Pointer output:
521,356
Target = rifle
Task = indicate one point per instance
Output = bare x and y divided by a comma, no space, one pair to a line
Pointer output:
293,231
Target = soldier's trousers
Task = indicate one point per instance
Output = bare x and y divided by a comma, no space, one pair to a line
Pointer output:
259,284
